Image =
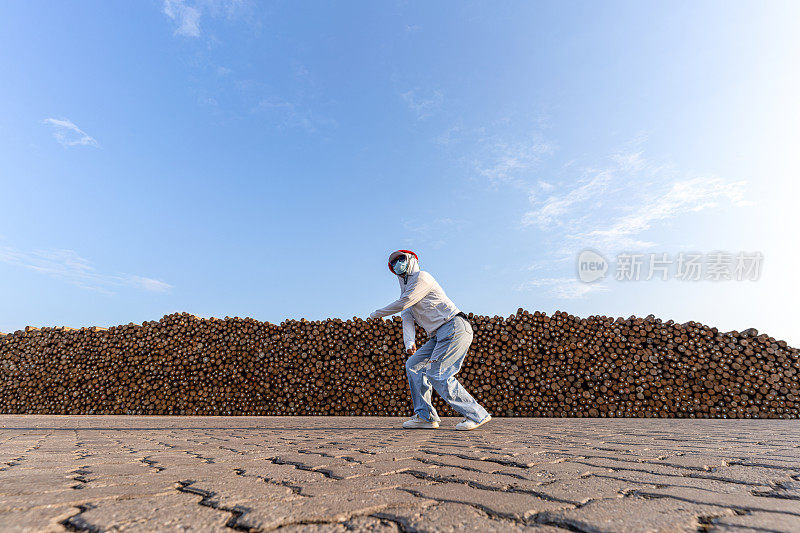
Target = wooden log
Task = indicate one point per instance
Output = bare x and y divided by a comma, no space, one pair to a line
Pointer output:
528,364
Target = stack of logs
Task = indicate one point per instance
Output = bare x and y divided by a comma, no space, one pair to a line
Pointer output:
529,364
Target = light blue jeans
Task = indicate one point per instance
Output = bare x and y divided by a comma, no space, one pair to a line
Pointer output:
434,365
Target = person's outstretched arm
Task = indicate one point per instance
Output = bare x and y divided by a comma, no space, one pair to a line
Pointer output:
414,292
409,333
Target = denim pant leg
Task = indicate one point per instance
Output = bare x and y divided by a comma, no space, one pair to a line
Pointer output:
452,343
419,383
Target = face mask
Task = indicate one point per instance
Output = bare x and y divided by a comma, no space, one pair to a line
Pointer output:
400,266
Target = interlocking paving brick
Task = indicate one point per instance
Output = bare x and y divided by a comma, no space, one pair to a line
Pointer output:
511,505
627,514
759,522
234,490
45,519
137,473
32,482
280,473
457,517
327,508
357,523
167,512
362,484
77,497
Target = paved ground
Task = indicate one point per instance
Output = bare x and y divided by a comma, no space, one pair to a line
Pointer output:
135,473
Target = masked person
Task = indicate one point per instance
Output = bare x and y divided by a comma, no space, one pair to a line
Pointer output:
435,364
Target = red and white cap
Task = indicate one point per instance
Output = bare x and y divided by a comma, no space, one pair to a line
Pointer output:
394,255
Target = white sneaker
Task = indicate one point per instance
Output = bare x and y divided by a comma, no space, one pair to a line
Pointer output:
467,424
417,422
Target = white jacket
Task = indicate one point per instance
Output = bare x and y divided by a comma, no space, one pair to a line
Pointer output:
421,300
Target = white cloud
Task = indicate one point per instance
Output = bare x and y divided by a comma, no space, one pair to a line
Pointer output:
207,100
433,233
543,185
148,284
289,114
615,208
423,106
629,161
71,267
68,134
611,208
187,18
563,288
448,137
230,9
501,158
500,161
685,196
552,211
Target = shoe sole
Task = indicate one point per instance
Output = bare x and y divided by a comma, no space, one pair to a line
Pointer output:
422,427
475,427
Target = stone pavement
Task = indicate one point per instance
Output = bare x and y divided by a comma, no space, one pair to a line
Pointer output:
139,473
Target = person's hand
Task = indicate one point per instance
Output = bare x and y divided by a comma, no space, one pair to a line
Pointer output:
411,350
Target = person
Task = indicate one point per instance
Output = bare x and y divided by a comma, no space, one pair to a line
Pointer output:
435,364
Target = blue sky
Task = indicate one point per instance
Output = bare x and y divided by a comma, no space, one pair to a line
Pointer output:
235,158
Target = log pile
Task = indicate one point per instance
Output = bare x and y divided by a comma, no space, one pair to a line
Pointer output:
529,364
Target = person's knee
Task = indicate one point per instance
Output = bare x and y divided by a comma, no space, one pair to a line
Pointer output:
446,386
438,381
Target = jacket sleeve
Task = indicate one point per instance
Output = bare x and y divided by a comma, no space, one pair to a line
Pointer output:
409,332
414,292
